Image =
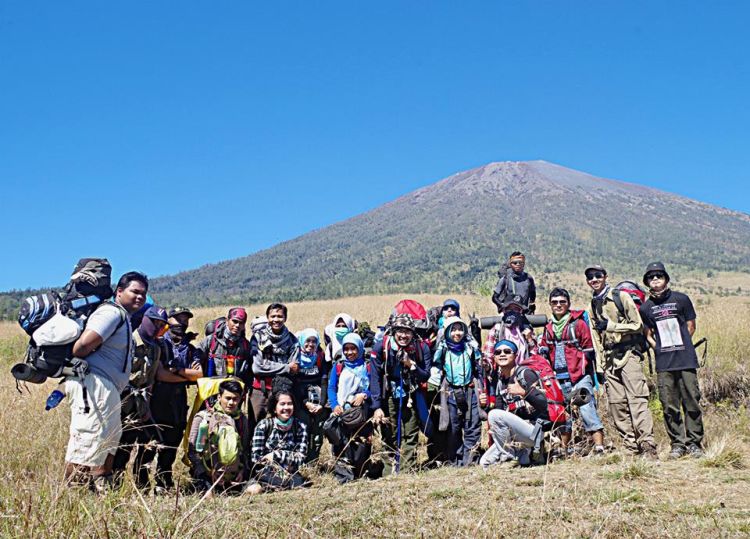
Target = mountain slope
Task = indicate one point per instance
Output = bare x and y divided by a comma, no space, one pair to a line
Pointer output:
449,236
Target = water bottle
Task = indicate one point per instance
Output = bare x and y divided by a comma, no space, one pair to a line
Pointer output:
54,399
211,368
202,438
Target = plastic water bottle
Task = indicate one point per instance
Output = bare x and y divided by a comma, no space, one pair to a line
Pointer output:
202,438
54,399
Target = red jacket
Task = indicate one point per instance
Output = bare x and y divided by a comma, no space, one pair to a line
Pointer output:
576,342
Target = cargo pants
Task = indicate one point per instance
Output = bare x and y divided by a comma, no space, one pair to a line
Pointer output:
627,393
680,400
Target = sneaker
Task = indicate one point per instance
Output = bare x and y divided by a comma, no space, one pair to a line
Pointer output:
677,452
599,450
695,451
648,450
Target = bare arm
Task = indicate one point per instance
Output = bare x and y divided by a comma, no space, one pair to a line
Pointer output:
691,327
88,342
650,337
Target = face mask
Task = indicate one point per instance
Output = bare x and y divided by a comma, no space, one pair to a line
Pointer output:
511,319
341,333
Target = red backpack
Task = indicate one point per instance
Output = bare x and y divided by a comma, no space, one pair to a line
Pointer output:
548,380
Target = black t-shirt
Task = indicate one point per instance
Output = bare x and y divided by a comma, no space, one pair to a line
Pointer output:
530,408
667,317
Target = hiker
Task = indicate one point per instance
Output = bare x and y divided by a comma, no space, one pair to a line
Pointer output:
169,399
519,409
461,391
106,344
279,447
219,442
618,328
513,327
514,283
399,364
570,350
225,351
348,429
669,318
275,353
334,333
311,389
140,429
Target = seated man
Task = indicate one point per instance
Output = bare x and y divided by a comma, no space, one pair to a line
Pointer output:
520,410
219,442
567,339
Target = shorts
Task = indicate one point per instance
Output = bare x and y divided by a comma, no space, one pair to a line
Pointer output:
95,434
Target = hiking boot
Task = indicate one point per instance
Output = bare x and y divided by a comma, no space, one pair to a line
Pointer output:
648,450
695,451
677,452
598,450
102,484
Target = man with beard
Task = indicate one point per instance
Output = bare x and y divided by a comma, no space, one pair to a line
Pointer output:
669,317
275,352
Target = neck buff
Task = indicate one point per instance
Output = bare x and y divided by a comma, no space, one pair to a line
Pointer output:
659,295
559,325
147,330
219,408
229,336
283,425
603,293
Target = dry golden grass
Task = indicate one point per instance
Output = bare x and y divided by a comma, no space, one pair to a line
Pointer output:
610,496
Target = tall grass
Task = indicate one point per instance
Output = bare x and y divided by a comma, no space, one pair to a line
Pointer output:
606,497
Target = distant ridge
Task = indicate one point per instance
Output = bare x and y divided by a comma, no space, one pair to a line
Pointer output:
450,236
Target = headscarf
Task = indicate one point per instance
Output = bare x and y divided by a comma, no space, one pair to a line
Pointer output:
338,336
305,361
353,378
455,347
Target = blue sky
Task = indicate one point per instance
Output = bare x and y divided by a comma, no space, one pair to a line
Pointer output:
167,135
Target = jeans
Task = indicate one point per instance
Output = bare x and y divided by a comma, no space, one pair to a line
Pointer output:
508,431
589,415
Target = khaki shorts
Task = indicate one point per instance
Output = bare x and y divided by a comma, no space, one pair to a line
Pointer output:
95,434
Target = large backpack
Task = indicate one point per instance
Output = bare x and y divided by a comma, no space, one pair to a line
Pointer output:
54,321
424,325
222,453
638,295
549,384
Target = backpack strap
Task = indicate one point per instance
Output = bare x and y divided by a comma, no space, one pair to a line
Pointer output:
123,319
618,302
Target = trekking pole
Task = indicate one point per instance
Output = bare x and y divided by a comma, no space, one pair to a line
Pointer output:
398,423
703,342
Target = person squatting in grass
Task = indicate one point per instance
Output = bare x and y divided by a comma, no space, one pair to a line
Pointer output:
669,318
106,344
461,391
219,442
275,352
311,389
399,365
620,334
518,405
349,395
279,447
566,339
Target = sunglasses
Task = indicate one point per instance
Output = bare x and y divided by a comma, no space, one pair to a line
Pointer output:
558,302
594,275
504,351
652,276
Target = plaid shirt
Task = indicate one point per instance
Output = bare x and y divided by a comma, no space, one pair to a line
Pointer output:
289,447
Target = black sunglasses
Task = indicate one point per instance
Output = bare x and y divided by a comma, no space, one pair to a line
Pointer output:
558,302
652,276
594,275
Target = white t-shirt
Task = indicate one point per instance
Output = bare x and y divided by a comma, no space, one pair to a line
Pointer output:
111,359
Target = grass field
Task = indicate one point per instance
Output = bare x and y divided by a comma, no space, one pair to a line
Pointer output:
610,496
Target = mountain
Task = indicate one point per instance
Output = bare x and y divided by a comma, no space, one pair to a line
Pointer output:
450,237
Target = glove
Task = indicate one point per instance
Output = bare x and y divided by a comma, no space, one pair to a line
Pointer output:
601,326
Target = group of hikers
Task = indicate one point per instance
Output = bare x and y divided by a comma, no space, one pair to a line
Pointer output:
268,398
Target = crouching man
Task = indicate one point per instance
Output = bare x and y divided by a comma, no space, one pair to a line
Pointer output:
219,442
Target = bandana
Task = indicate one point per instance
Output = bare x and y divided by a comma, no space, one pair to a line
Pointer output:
237,313
659,295
509,344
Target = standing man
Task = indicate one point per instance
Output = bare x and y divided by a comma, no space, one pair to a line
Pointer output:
618,327
106,344
226,351
275,353
399,365
669,318
515,284
567,337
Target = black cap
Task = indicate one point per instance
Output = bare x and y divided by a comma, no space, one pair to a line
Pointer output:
595,267
176,311
654,267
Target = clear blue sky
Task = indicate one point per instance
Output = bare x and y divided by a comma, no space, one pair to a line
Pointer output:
167,135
